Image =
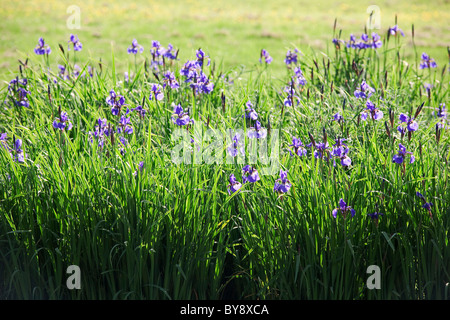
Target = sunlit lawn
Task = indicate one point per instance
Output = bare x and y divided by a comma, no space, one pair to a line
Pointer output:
230,31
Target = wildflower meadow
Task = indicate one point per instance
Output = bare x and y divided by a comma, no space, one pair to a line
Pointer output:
174,177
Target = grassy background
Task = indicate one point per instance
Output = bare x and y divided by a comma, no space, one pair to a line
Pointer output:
231,31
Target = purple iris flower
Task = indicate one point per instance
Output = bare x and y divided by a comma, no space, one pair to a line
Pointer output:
42,48
179,117
202,84
426,205
427,62
299,149
201,56
170,80
298,78
442,115
343,209
115,101
282,185
266,56
291,57
125,125
156,49
168,52
100,132
371,110
156,92
364,91
376,42
337,117
189,70
236,146
140,110
63,122
250,112
249,174
257,131
135,47
22,97
400,157
19,92
76,71
19,157
77,46
340,151
321,149
62,72
234,184
3,142
292,95
337,43
365,42
375,216
411,123
139,169
396,30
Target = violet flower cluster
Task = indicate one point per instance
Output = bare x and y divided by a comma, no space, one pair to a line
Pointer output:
18,91
365,42
194,75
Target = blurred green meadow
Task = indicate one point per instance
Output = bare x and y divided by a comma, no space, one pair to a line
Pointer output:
232,32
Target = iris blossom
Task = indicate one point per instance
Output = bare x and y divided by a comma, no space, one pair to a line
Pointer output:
63,122
250,112
426,205
343,209
249,174
179,117
156,92
364,91
411,124
427,62
282,185
115,101
371,110
135,47
42,48
266,56
340,150
77,46
234,184
236,146
400,157
298,147
257,131
395,30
